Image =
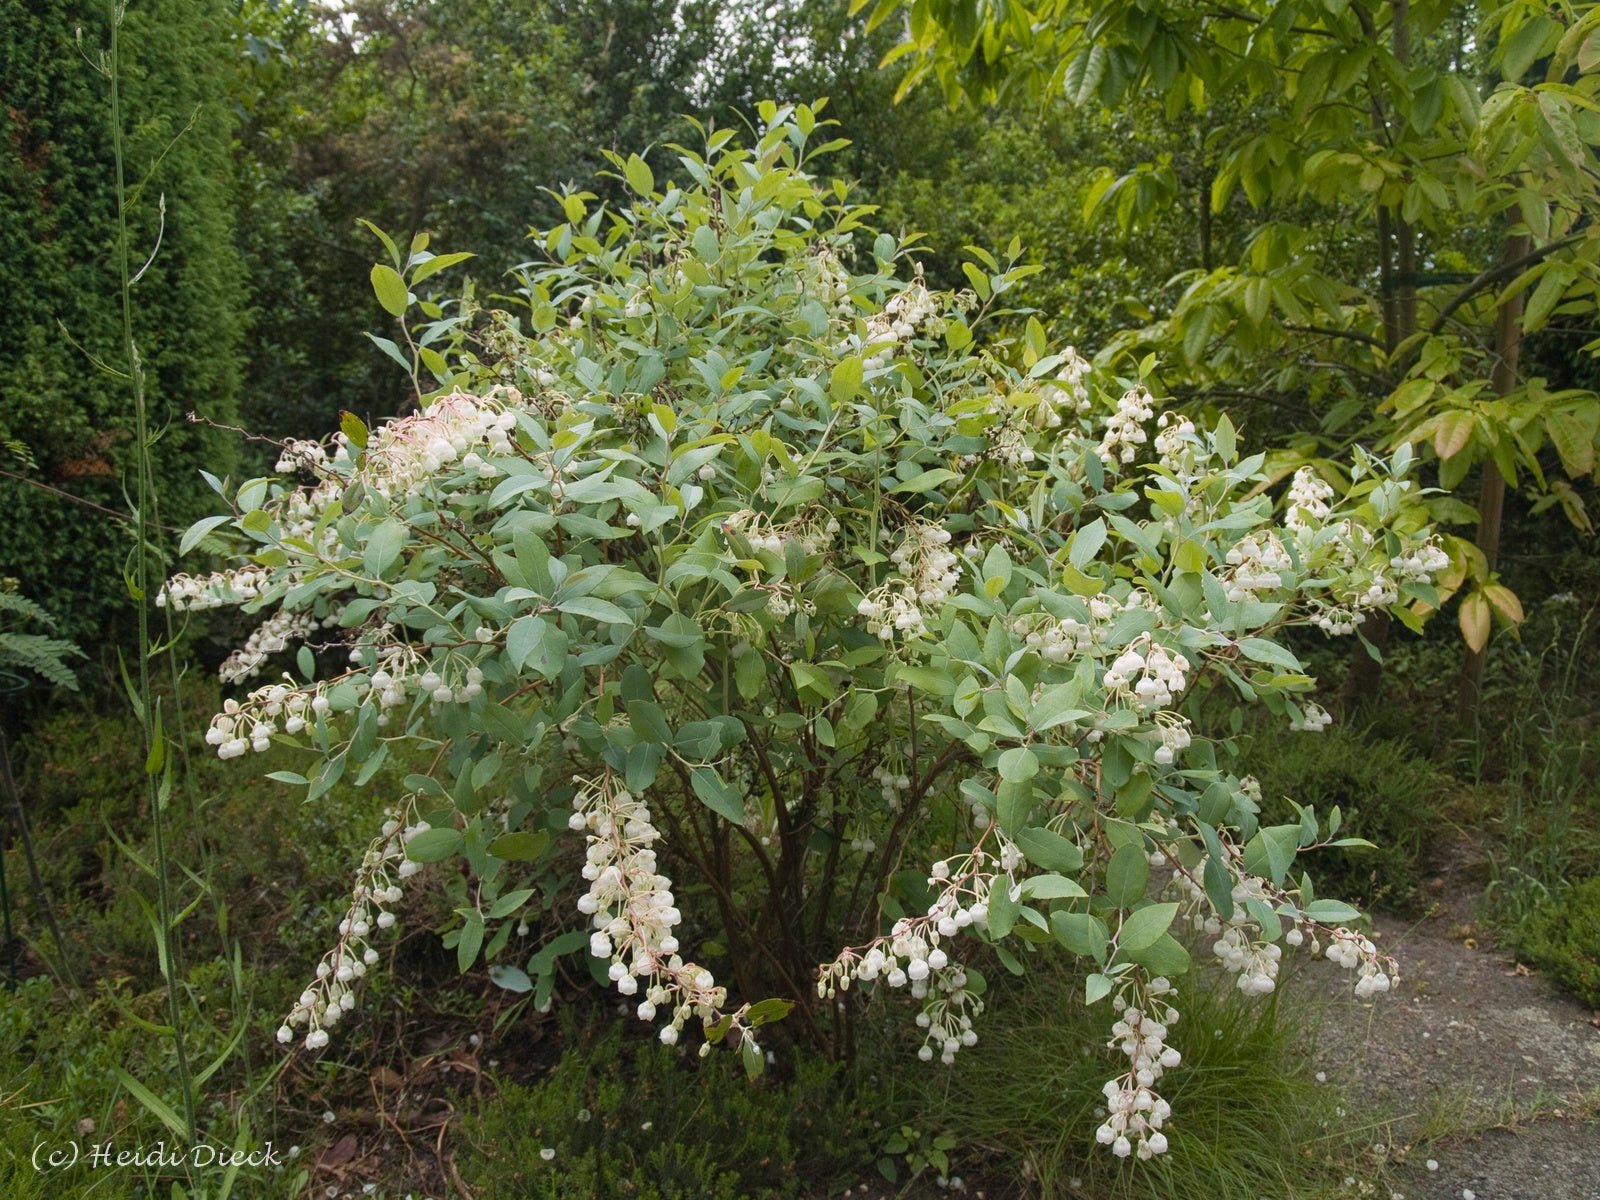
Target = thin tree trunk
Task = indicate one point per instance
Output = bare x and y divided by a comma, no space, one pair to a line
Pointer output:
1397,271
1492,486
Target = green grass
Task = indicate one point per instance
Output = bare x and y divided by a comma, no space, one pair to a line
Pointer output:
1249,1119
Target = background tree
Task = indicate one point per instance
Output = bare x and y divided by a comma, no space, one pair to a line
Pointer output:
1407,175
455,119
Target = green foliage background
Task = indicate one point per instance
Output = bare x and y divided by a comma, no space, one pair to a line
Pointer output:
57,206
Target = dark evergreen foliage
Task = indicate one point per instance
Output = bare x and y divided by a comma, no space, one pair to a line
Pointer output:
65,424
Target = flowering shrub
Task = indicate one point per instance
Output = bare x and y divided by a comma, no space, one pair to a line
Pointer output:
731,557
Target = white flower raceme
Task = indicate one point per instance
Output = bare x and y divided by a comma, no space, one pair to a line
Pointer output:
1017,417
271,637
826,278
1308,502
1254,962
189,592
1422,563
1242,950
331,992
948,1012
1057,641
1173,730
1257,563
1312,718
1177,443
301,454
1068,393
812,533
1147,673
403,457
898,323
240,727
633,913
912,955
1354,952
1125,427
1135,1113
388,675
928,572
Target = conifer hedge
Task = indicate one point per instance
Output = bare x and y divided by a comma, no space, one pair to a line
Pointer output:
63,422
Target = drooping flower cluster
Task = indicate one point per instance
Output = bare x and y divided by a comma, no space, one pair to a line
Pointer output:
633,911
897,323
948,1015
250,724
1068,393
1364,576
1176,442
812,532
912,955
303,454
1175,735
893,786
397,671
928,572
385,673
1057,640
1149,673
1356,952
1257,563
1017,416
332,993
1308,502
1135,1113
1243,951
1421,564
193,593
272,636
1125,427
826,278
403,457
1254,962
1311,718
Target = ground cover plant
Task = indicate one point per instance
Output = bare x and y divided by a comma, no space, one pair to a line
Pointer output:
734,551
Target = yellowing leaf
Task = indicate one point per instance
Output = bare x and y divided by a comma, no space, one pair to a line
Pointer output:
1504,601
1475,620
1451,435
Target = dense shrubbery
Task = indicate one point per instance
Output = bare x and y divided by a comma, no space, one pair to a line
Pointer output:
1563,937
622,1118
738,553
1387,792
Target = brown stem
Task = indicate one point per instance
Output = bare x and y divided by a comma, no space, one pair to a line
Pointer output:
1492,486
40,485
902,822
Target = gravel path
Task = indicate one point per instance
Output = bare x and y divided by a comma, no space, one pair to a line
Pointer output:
1472,1064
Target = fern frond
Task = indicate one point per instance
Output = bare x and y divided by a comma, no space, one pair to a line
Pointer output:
11,602
44,656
